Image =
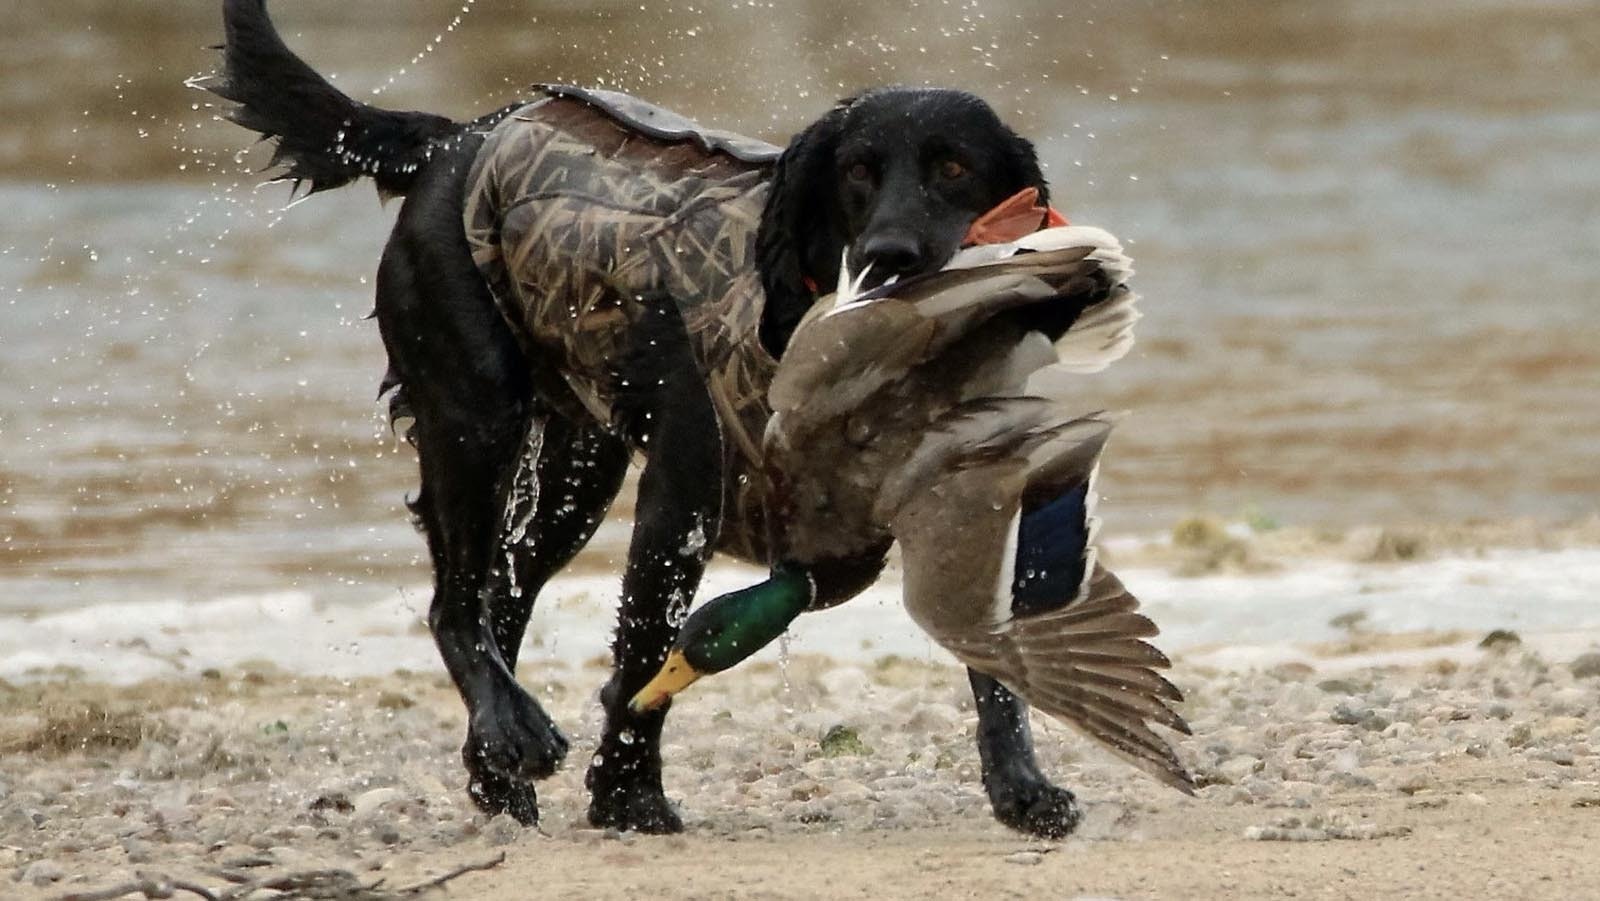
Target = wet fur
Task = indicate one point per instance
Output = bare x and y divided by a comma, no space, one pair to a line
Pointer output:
482,409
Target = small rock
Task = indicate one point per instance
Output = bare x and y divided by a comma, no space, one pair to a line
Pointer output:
1365,717
1025,858
1236,768
1414,783
335,801
1499,640
41,873
394,700
1560,727
1586,666
16,819
138,850
1340,779
1339,686
1562,757
503,830
1570,702
386,833
843,741
1345,715
847,791
367,803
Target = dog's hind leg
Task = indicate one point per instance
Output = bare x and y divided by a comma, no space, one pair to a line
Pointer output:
550,515
469,387
578,472
1019,793
676,523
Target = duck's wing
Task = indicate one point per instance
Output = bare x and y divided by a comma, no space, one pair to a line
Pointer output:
995,516
1103,332
849,346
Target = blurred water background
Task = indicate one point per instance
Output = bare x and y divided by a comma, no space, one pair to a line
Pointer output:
1367,234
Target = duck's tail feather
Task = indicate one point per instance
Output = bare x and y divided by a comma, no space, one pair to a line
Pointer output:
1088,665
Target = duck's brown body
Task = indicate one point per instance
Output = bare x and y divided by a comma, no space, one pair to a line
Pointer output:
584,212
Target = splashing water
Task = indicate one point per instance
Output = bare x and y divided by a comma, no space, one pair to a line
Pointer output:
522,501
427,48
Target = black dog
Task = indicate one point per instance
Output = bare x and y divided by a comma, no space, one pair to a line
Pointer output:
504,402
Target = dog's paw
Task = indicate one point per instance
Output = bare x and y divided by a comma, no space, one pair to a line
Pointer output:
512,736
496,794
1034,806
633,806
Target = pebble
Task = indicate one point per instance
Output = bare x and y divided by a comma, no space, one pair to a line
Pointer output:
17,819
1414,783
503,830
137,850
1025,858
1560,727
368,803
1235,769
41,873
1586,665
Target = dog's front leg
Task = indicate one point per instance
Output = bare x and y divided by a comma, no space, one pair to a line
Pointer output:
1019,793
676,522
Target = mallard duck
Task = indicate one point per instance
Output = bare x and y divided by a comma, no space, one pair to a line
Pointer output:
903,413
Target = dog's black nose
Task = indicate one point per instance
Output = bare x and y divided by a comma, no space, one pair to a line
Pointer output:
892,254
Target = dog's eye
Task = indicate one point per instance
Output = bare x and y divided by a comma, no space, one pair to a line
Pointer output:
858,172
952,170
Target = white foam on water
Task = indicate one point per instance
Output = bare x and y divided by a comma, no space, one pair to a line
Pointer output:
1234,621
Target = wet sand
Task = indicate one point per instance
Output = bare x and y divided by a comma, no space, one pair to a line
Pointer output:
1475,779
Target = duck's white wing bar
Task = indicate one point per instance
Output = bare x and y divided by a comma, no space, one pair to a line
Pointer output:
1088,665
1101,336
1104,333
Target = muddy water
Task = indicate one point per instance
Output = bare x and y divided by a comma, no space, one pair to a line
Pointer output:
1368,236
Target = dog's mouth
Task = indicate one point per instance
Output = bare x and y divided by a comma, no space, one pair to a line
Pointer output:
855,286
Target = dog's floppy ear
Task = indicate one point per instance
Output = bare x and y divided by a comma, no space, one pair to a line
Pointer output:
1022,163
802,233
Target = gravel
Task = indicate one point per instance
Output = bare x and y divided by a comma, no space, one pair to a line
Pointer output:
317,772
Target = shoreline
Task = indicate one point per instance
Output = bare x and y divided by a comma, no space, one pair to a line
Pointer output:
1428,780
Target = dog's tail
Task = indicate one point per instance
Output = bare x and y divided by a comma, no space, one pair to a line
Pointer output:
323,138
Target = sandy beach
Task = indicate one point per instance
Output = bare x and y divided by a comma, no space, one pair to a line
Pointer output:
1445,779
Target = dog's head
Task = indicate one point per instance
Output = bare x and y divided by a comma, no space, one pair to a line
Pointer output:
893,176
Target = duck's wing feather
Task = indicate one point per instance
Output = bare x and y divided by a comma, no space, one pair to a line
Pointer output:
1088,665
849,345
1055,627
1103,332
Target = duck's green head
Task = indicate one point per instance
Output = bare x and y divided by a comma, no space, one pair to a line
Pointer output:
726,630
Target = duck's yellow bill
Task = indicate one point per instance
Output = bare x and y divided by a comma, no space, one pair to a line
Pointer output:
675,675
